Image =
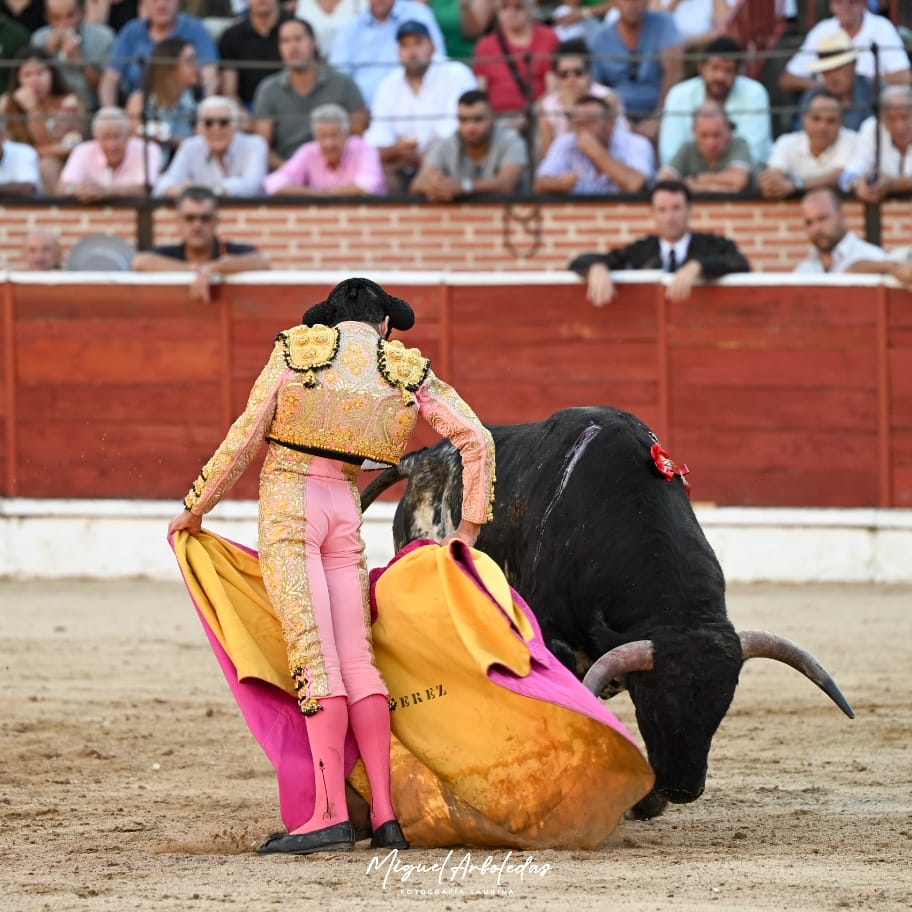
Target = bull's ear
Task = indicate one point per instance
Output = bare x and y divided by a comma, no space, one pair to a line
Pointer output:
608,674
761,644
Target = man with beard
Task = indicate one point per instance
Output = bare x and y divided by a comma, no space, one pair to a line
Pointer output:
201,250
834,249
746,102
480,157
284,101
415,104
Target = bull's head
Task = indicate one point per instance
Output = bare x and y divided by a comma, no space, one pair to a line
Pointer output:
681,685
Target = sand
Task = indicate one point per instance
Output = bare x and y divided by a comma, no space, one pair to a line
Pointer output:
128,780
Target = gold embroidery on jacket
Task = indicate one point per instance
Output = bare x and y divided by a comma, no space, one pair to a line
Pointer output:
309,349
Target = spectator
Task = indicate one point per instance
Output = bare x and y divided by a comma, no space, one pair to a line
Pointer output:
284,101
164,109
746,102
898,264
42,251
715,160
41,110
869,177
19,171
415,104
80,47
111,164
463,23
335,163
249,50
640,56
512,62
833,247
865,29
572,80
597,156
838,71
691,256
813,157
220,157
201,250
365,47
698,21
12,37
327,17
136,43
480,157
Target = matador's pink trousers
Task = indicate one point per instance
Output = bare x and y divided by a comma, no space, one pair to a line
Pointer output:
315,571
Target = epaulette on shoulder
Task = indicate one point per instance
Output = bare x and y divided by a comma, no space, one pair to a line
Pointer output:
309,348
405,368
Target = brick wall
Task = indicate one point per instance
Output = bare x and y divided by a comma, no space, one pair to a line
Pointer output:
452,237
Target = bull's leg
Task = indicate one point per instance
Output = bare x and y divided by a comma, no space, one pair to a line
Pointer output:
653,805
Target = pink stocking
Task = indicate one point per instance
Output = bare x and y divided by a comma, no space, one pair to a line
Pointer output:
326,732
370,723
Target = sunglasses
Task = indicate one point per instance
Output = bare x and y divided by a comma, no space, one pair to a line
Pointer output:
204,217
213,121
575,71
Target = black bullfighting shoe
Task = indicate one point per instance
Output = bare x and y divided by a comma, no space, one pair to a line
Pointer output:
340,837
389,835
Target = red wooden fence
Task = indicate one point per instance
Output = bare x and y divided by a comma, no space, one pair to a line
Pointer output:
774,392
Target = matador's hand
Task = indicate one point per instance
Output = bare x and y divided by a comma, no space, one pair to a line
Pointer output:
186,520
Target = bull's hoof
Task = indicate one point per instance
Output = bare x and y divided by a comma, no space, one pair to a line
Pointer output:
653,805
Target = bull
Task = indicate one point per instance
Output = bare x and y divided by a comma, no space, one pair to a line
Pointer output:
594,526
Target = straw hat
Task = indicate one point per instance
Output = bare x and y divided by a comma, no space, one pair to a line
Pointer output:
834,50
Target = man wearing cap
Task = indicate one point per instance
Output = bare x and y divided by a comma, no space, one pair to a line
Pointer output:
745,100
334,393
415,104
864,28
366,46
837,67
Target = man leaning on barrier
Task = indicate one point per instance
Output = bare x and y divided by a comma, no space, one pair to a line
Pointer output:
690,256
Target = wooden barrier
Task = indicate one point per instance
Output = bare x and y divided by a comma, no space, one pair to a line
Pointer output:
775,391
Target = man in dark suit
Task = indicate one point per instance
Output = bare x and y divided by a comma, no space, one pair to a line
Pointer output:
674,248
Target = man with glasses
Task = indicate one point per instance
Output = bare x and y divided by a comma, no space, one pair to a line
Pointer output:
865,29
201,250
480,157
220,157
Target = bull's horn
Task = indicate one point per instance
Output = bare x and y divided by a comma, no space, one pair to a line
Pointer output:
761,644
609,671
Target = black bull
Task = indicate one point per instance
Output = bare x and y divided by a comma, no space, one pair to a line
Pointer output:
611,557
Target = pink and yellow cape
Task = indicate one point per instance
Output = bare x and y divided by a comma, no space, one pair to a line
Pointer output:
495,743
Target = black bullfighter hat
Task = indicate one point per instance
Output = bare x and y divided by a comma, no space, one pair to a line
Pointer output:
400,313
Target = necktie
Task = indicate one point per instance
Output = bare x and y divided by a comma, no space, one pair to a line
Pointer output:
672,260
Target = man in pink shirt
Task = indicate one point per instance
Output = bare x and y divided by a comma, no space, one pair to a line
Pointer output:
334,164
112,163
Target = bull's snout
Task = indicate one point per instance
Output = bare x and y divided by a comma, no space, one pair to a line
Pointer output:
677,795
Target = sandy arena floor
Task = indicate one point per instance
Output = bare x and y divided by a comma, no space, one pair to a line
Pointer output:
128,780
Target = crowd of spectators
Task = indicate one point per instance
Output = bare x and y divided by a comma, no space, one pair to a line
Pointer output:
441,99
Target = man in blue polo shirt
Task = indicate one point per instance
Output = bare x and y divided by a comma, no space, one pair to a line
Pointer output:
137,39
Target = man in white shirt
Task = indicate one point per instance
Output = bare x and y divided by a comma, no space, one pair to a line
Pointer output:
19,173
813,157
746,102
220,157
834,249
415,104
882,166
865,29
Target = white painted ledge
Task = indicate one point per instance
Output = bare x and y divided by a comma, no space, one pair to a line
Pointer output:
109,539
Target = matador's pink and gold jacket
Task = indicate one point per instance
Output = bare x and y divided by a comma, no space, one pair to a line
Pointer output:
343,391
